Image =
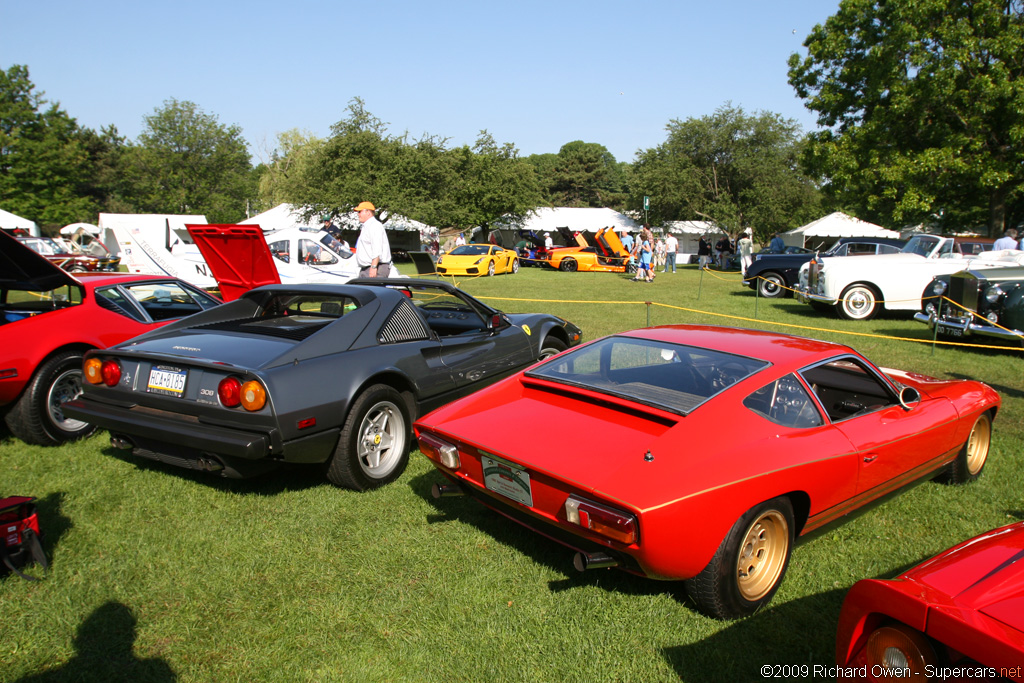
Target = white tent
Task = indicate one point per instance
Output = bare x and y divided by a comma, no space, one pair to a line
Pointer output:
828,229
11,221
576,219
281,217
689,233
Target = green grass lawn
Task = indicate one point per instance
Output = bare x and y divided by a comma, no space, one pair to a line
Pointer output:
159,574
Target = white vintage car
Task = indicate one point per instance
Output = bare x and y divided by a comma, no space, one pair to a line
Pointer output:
858,288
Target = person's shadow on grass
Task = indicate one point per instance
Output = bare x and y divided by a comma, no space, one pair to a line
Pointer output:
103,647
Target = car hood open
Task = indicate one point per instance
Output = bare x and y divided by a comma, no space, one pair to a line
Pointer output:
25,270
237,255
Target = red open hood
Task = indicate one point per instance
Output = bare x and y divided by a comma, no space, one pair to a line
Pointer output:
237,255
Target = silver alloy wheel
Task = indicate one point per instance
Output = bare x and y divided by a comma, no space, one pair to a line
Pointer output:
771,285
381,440
66,387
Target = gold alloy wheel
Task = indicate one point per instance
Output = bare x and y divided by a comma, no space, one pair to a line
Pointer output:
762,555
978,443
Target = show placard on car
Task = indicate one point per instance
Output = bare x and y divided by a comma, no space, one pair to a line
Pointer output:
507,479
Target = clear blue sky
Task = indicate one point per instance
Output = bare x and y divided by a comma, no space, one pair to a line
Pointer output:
534,73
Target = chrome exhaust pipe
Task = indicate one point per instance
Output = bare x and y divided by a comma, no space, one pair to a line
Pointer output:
584,561
446,490
121,443
207,464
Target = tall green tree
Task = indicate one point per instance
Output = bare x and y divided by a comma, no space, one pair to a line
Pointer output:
581,174
922,108
45,161
736,170
187,162
421,179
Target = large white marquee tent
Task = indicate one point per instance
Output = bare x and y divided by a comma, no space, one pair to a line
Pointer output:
828,229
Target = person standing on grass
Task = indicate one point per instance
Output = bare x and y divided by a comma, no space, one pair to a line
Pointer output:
373,252
671,247
746,249
703,253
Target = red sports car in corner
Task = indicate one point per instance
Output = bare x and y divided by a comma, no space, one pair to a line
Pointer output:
958,616
701,453
49,318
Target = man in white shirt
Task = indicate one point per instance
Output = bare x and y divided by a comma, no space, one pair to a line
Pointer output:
373,252
671,247
1007,241
548,242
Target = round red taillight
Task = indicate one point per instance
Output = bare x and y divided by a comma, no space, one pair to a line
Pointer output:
230,391
111,371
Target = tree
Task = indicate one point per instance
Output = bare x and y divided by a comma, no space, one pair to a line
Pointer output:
281,177
186,162
421,179
581,174
45,163
733,169
922,105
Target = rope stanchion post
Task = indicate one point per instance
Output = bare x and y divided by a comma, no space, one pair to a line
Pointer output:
648,305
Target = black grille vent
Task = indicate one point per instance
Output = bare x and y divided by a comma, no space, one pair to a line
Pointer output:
963,289
404,324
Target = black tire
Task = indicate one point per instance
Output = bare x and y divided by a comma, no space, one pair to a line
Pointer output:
36,418
490,269
771,285
749,566
373,448
971,459
551,346
515,266
568,265
859,302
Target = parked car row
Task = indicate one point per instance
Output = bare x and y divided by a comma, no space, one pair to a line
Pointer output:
345,377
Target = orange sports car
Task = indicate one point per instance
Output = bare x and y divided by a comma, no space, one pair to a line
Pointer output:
607,256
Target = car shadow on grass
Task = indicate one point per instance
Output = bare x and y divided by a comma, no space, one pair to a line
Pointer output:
541,550
287,477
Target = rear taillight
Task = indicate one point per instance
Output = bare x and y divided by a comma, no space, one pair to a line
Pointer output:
440,450
230,392
616,525
102,372
254,396
92,368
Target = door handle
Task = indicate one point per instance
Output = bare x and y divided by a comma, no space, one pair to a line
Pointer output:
870,457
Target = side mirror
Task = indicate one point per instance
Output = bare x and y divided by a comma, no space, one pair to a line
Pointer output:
495,323
909,395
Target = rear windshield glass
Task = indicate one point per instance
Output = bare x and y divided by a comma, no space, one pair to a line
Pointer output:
673,377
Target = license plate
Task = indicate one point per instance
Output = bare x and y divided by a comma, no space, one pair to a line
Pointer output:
166,380
951,330
507,479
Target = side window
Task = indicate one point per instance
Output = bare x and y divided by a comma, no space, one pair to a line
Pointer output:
846,388
888,249
165,300
786,402
113,299
313,254
279,250
861,249
843,250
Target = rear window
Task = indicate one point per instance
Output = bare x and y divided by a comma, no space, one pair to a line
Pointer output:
672,377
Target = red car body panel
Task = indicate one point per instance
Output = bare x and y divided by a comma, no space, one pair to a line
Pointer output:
710,466
238,256
969,599
85,326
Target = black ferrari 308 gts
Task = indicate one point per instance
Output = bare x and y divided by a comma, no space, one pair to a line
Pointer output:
330,374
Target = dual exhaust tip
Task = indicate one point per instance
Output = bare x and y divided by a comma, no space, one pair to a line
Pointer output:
204,463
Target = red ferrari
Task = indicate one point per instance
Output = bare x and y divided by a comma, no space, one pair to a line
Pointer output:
701,453
957,616
49,318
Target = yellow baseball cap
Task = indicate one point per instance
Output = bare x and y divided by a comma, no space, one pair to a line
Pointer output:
365,206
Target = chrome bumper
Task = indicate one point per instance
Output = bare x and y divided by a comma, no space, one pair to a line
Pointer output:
963,327
804,295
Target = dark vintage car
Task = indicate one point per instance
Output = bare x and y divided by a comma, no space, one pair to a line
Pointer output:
329,374
776,275
987,302
49,318
638,476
